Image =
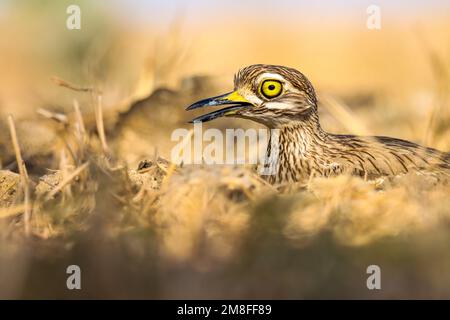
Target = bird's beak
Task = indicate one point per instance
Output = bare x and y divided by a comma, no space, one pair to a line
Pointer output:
234,99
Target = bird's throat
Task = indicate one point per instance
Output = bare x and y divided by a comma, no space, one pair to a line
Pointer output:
295,146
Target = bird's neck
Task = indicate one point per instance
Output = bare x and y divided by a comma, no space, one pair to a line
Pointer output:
302,136
295,145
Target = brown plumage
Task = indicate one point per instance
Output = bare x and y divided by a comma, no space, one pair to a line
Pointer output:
283,98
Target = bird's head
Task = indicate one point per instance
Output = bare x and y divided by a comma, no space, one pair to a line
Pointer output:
268,94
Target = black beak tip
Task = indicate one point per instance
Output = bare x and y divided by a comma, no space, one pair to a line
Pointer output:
202,103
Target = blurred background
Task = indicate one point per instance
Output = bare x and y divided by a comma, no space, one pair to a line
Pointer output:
149,60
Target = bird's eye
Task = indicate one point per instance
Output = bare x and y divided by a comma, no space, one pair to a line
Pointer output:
271,88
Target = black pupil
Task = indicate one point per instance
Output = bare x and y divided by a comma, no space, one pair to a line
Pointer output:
271,87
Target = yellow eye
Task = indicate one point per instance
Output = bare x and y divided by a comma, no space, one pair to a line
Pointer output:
271,88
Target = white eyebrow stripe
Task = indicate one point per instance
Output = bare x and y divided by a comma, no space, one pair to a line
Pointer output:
268,75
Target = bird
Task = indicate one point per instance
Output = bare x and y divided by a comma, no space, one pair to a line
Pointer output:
283,98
